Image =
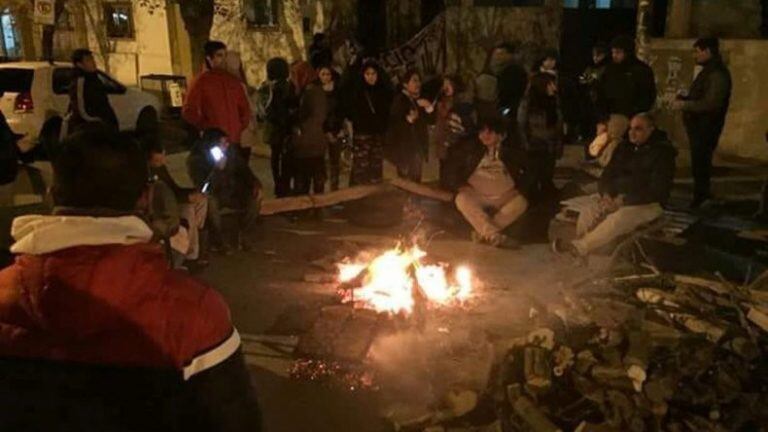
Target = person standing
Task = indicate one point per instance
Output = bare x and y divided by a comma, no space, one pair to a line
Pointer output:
333,125
704,111
407,135
310,143
540,129
277,97
368,111
589,81
512,79
248,138
628,87
448,98
217,99
88,96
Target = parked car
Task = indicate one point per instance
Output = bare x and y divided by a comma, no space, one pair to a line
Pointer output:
37,98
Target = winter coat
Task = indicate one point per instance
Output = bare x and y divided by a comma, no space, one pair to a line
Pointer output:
97,334
709,97
405,139
644,173
233,185
512,82
535,133
9,153
626,88
368,109
309,140
466,155
443,111
279,102
334,121
89,101
217,99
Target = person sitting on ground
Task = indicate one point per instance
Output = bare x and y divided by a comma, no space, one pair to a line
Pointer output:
218,170
177,214
98,333
489,175
634,187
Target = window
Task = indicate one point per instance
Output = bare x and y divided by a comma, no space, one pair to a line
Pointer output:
9,40
119,20
502,3
62,79
262,13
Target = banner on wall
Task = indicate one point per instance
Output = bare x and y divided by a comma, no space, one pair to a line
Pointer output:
45,12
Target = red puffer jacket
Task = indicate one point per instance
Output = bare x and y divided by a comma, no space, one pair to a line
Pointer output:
88,317
217,99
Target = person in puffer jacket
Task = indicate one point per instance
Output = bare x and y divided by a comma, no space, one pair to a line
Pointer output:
96,333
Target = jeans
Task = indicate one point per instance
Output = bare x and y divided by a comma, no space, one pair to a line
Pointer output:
310,175
473,206
703,144
595,229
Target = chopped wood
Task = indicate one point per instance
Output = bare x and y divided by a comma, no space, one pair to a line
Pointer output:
422,190
305,202
533,417
704,283
758,317
536,368
712,332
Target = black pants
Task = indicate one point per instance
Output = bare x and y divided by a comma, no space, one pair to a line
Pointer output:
310,175
367,160
703,143
410,167
282,164
541,165
334,162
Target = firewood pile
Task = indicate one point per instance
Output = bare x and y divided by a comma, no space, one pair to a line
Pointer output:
640,353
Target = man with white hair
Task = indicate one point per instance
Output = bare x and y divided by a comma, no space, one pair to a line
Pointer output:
634,187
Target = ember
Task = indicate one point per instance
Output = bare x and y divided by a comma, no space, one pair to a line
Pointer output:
392,281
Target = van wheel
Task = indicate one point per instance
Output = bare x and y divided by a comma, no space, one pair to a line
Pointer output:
148,125
49,138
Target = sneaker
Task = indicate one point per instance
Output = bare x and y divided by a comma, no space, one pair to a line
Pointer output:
563,247
477,238
502,241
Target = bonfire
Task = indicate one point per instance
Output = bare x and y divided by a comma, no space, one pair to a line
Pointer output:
394,281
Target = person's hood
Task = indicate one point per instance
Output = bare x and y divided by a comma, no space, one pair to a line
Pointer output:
40,235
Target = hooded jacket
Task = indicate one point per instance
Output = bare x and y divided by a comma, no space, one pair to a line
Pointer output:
96,333
217,99
626,88
644,173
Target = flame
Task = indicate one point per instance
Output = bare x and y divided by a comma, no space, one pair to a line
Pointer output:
390,279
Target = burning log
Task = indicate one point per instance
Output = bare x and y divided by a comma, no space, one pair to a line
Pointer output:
305,202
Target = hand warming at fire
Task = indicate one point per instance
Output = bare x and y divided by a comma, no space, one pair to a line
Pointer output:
392,281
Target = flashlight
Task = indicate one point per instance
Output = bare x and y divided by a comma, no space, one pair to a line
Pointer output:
505,111
205,187
217,154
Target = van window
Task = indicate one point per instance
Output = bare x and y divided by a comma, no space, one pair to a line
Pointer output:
16,80
62,79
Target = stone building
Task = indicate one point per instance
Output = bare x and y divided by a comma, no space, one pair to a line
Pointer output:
738,25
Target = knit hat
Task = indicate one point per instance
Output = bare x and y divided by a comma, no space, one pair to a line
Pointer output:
625,43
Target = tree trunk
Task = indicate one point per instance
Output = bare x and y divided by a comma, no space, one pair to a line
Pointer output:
198,20
50,30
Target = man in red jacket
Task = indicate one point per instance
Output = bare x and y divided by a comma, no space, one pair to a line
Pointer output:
216,98
96,333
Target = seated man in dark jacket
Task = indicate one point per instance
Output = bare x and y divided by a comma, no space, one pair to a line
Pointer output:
634,187
96,333
218,170
489,176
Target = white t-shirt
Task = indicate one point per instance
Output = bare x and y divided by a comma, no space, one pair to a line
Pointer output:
491,177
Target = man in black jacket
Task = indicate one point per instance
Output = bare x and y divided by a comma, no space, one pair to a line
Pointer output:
512,79
88,97
633,189
704,111
489,176
627,87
